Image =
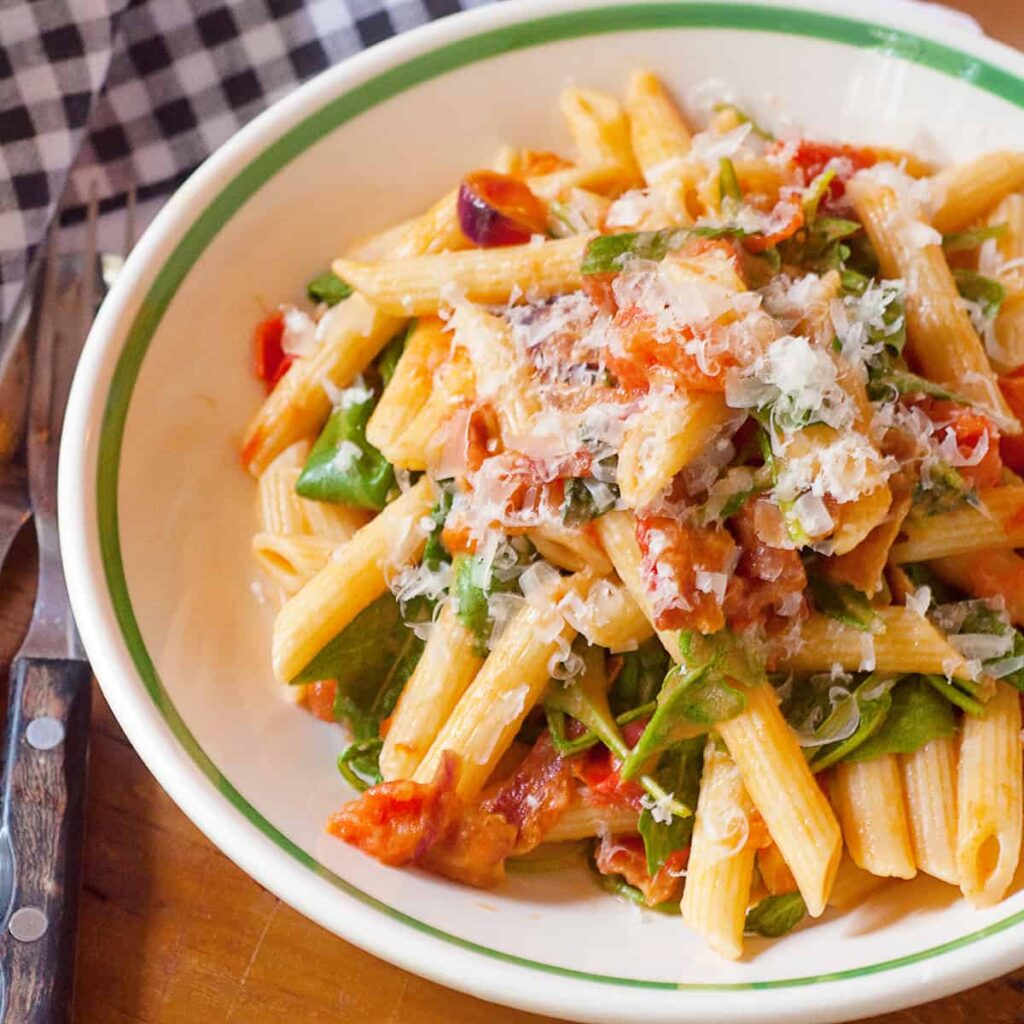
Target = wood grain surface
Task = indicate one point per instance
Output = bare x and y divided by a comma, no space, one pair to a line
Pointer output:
171,932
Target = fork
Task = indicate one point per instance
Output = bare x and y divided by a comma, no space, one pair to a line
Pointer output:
42,795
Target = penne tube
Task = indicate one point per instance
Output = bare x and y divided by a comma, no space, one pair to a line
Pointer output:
853,885
600,131
941,339
291,560
410,385
774,871
446,667
721,864
929,782
349,582
426,284
965,530
573,548
1008,354
906,642
664,439
609,617
963,193
299,404
868,798
786,794
583,820
488,715
335,523
281,509
989,799
998,573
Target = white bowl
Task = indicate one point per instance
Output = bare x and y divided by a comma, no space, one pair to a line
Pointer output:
156,515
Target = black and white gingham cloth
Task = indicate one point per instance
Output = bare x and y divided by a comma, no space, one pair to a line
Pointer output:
104,94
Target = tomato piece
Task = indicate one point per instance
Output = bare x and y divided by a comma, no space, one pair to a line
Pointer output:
674,553
785,221
970,428
270,362
813,157
540,161
598,769
320,699
498,209
1011,447
598,288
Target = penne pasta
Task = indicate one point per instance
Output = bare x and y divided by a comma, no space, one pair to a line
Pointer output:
573,548
853,885
446,667
349,582
424,285
281,509
967,191
721,864
582,820
929,782
998,574
989,799
868,798
291,560
600,130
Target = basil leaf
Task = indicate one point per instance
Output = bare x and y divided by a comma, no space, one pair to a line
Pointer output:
986,291
343,466
728,183
586,499
371,660
328,287
678,773
744,118
640,678
843,603
775,915
359,763
917,716
962,241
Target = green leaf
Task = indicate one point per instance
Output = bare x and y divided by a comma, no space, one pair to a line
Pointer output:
471,587
609,253
986,291
853,282
744,118
580,504
640,678
728,183
948,491
371,659
678,773
329,288
843,603
873,703
955,696
343,466
556,720
917,716
886,382
815,193
435,554
359,763
923,575
775,915
387,361
616,885
962,241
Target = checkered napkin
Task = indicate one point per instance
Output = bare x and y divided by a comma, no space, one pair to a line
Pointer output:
103,94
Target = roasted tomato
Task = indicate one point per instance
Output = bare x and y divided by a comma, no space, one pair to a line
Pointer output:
270,362
320,699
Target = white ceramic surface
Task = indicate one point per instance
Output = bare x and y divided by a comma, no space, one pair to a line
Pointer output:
192,688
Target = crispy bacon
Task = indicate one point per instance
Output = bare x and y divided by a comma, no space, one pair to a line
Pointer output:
673,553
765,575
598,769
624,855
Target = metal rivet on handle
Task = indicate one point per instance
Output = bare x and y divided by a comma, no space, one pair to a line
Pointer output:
28,924
44,733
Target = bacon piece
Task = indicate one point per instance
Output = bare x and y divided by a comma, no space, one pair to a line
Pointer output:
673,553
598,769
624,855
970,428
765,575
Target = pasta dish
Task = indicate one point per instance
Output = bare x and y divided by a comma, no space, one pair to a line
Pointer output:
660,506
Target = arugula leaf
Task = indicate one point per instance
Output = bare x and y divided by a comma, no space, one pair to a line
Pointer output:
470,594
923,575
343,466
581,504
678,772
842,602
955,695
435,554
744,118
820,247
982,617
556,720
359,763
616,885
816,191
948,490
917,716
775,915
873,704
863,258
328,287
962,241
387,361
986,291
607,253
640,678
886,382
728,183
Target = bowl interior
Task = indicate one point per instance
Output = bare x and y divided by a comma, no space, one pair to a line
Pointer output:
185,511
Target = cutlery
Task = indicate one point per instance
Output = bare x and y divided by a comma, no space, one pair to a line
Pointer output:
42,794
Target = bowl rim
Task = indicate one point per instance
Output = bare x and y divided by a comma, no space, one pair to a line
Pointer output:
88,493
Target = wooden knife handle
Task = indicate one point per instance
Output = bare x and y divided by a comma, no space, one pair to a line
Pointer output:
43,812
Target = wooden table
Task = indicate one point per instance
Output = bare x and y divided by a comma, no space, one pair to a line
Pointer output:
173,933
